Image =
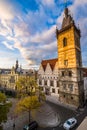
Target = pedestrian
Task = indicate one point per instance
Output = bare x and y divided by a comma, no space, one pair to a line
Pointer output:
13,126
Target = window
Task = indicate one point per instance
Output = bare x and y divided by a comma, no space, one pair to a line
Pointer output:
51,83
70,73
64,42
66,62
57,83
80,74
72,98
64,86
41,88
45,82
63,73
12,79
40,82
70,87
53,90
58,91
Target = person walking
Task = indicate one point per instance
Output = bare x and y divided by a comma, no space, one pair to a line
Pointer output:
13,126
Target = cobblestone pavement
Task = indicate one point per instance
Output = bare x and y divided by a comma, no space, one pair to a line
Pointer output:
45,117
48,116
19,123
12,118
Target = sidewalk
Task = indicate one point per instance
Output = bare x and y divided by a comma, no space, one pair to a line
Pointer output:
55,100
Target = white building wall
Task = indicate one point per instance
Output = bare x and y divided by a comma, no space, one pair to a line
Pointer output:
49,75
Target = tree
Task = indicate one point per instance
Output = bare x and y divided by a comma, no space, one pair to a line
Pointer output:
4,108
26,86
28,104
2,97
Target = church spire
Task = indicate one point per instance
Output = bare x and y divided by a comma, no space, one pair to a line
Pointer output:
67,20
17,65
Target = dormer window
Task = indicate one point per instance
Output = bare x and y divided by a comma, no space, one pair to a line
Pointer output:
64,42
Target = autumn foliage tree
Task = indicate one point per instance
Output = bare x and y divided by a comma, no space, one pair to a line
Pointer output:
2,97
26,86
28,104
29,94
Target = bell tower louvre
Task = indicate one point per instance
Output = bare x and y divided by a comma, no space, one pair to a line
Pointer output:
71,86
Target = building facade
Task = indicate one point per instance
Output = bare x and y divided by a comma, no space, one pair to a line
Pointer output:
85,83
9,77
69,64
48,77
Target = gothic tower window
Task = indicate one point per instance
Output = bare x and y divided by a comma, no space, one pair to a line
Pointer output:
70,73
70,87
64,42
63,73
64,86
65,62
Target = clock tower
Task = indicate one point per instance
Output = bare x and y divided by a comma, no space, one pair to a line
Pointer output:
71,89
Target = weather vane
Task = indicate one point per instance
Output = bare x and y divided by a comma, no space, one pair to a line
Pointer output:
65,1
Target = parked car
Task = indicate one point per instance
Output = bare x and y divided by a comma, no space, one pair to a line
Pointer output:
70,123
31,126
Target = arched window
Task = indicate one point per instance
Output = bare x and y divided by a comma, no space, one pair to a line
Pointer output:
64,42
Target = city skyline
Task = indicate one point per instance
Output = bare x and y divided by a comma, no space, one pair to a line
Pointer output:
27,30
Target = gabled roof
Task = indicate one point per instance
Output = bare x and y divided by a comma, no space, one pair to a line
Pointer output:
51,62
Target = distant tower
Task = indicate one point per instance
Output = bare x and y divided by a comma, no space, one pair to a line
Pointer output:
71,90
16,65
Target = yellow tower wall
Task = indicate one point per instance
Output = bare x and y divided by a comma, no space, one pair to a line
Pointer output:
67,52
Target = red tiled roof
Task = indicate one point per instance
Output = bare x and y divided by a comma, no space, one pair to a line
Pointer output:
52,63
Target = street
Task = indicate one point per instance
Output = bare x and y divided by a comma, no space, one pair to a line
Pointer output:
66,113
62,112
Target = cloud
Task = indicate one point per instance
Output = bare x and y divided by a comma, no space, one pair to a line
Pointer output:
48,3
7,45
32,34
37,46
6,11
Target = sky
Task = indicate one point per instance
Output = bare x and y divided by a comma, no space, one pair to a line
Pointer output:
27,30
